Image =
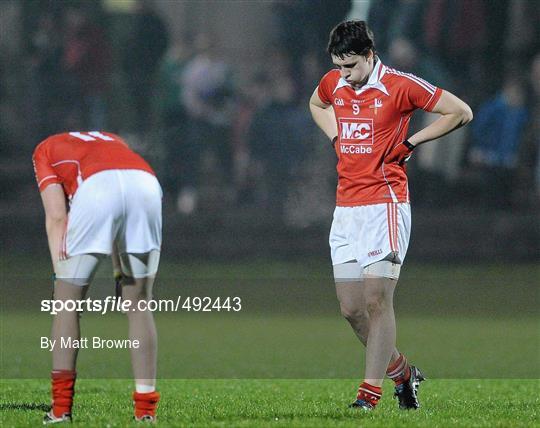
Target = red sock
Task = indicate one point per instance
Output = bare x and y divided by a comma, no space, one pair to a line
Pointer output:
62,391
369,393
145,403
399,371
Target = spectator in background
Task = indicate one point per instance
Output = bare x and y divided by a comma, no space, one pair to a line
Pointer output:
144,52
46,74
311,21
311,69
535,125
498,132
87,67
392,19
404,55
173,115
279,61
522,34
456,31
531,141
275,136
253,94
208,101
432,169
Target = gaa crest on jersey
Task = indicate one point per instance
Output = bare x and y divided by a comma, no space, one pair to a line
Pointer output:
377,104
339,102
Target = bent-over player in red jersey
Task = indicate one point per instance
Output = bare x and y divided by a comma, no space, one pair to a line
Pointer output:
365,107
100,198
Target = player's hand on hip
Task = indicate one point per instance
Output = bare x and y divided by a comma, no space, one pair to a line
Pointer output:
400,153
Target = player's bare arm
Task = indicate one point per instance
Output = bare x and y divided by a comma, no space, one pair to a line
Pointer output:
454,114
54,203
323,115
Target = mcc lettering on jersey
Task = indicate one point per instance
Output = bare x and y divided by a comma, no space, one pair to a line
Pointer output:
356,131
356,135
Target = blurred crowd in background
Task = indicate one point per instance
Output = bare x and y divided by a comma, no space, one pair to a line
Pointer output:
248,136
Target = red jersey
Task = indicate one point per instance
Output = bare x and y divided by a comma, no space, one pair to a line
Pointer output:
70,158
371,121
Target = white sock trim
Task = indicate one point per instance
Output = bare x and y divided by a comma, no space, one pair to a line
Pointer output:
144,389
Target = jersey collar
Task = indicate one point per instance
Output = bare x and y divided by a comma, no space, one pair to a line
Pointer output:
374,80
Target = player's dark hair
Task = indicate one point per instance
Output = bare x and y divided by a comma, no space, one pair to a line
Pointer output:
351,38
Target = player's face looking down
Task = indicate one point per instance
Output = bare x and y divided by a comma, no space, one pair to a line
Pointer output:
355,69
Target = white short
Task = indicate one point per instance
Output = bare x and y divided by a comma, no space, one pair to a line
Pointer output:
370,233
80,269
115,205
353,271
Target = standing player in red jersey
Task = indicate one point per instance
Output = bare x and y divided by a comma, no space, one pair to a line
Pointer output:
365,107
114,207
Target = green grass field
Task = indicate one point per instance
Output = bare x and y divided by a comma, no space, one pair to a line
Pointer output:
284,403
288,359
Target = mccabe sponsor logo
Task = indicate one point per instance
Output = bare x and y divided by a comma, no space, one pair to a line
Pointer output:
355,149
356,131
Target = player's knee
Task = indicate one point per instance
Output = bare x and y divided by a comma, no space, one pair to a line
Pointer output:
353,313
378,303
137,289
135,293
